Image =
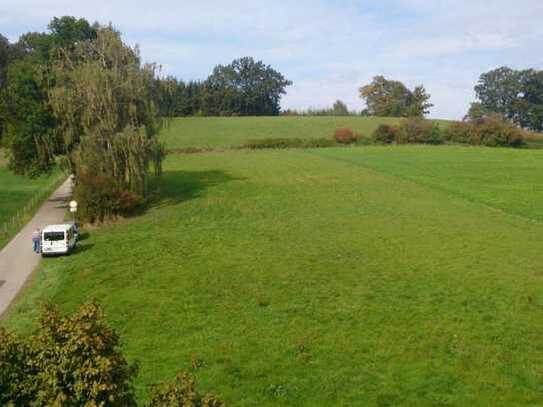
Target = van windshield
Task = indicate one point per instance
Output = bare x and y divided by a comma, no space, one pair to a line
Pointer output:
53,236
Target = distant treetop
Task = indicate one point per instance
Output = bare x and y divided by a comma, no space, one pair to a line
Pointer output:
389,98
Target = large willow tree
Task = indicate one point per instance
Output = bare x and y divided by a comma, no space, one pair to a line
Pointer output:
100,95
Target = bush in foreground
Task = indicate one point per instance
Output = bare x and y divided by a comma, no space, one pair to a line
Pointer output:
345,136
69,361
77,361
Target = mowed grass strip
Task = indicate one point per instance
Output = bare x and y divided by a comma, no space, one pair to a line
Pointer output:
296,278
506,179
224,132
16,191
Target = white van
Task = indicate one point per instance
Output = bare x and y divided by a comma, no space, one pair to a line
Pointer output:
58,239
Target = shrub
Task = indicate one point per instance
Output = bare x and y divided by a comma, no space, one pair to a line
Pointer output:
494,131
288,143
385,134
345,136
491,131
459,132
274,143
419,131
364,140
101,197
319,143
69,361
180,393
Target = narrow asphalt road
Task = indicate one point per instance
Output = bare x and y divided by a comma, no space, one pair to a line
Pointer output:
17,260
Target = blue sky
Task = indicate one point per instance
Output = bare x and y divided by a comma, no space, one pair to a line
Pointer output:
327,48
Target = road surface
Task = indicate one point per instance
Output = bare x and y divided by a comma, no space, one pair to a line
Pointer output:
17,260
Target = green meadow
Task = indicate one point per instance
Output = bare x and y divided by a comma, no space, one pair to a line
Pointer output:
220,132
16,192
406,275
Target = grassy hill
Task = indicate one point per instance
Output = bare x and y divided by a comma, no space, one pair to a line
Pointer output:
405,275
217,132
16,192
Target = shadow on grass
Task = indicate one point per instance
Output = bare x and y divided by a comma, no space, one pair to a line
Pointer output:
174,187
83,236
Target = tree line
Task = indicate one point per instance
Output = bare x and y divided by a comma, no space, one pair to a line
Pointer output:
244,87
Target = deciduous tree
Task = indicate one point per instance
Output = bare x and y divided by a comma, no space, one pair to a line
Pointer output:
517,95
246,87
340,109
388,98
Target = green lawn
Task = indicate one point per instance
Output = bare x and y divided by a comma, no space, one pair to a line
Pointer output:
345,276
217,132
16,192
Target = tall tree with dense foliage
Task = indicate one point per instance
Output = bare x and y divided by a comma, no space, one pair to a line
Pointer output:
517,95
101,97
389,98
78,94
4,57
29,130
245,87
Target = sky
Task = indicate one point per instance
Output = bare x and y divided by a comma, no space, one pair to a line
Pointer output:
328,48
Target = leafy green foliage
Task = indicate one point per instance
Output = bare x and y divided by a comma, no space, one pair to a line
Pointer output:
102,197
340,109
517,95
79,95
385,134
418,131
388,98
69,361
67,31
244,87
182,392
102,101
288,143
414,130
29,123
4,56
28,132
477,111
491,131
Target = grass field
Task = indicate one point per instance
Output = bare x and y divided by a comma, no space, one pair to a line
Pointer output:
345,276
16,192
217,132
